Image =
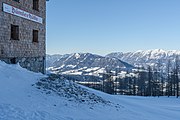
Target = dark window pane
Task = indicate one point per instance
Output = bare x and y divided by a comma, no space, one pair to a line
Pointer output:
35,35
36,5
13,61
16,0
14,32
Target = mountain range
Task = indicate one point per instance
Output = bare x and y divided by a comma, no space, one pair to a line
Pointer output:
147,57
87,64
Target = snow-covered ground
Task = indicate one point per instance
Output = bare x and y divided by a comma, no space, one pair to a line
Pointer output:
23,96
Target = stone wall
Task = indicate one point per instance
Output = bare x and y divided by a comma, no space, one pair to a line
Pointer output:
35,64
29,54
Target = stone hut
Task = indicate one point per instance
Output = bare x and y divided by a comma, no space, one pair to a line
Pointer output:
23,33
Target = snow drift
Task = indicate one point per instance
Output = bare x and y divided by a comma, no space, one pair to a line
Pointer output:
25,95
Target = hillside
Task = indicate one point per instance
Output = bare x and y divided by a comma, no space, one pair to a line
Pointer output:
25,95
84,64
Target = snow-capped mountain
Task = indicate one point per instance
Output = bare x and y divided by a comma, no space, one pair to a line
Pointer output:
147,57
50,59
84,64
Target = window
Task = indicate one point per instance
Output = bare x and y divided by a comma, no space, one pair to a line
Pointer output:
13,61
35,35
14,32
36,5
16,0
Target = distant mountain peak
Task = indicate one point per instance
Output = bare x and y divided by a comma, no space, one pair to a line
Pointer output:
146,57
84,64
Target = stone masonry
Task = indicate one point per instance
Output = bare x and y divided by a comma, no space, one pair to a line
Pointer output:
28,54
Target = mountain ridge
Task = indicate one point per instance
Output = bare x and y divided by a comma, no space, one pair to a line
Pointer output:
85,64
147,57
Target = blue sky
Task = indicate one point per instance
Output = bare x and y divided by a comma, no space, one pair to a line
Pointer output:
104,26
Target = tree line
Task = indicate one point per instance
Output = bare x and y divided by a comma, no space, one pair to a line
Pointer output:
151,81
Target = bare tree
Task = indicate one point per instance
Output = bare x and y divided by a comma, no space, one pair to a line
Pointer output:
149,87
176,75
168,86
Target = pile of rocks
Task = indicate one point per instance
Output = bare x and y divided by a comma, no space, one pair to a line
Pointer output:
68,89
